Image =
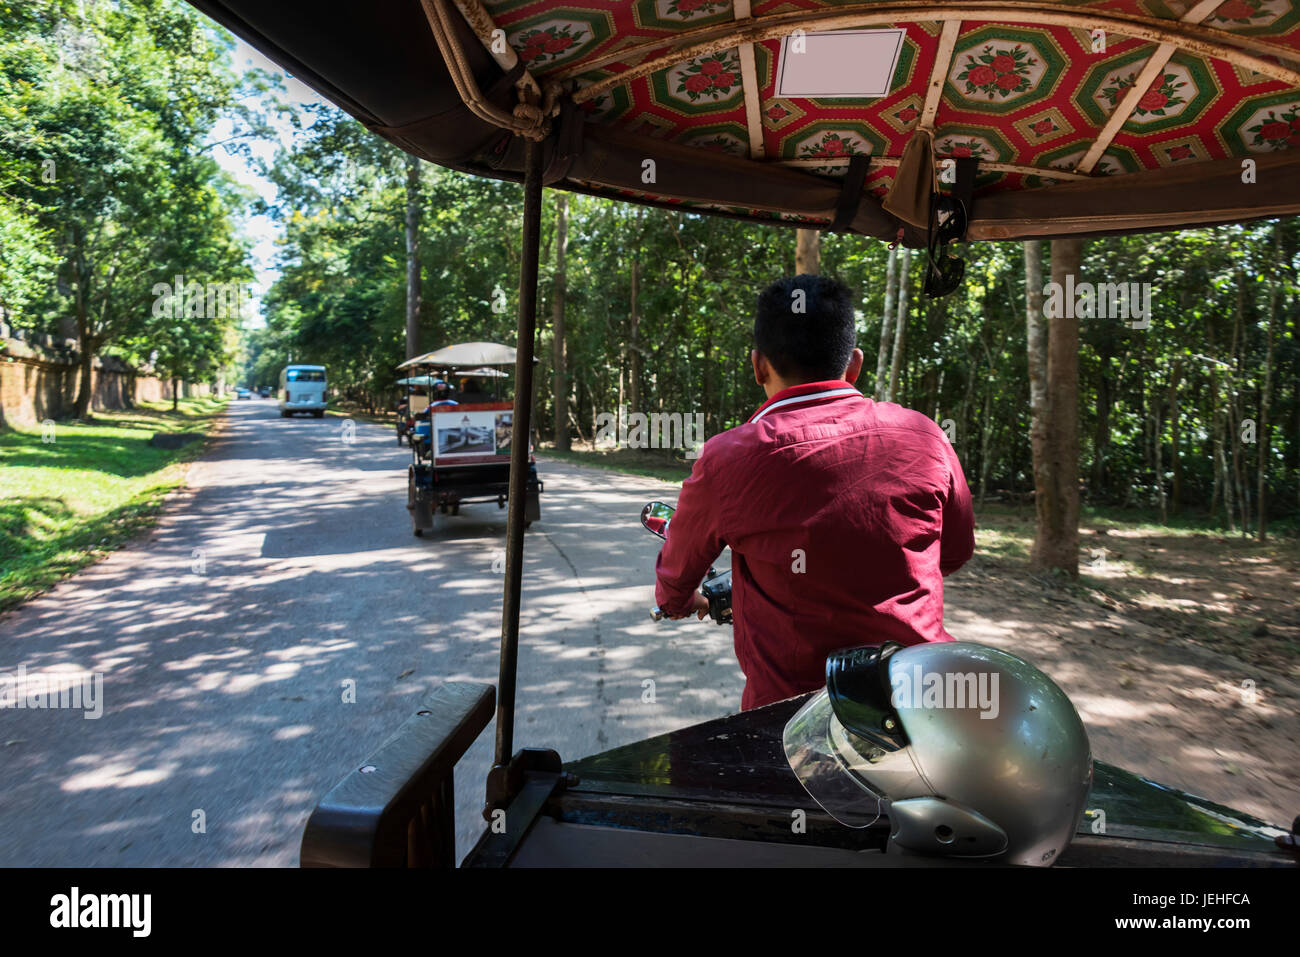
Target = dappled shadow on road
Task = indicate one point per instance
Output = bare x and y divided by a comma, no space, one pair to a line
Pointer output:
282,621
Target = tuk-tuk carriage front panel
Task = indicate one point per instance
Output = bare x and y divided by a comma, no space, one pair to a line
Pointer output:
724,790
474,434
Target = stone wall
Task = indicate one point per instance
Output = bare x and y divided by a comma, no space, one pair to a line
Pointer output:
39,378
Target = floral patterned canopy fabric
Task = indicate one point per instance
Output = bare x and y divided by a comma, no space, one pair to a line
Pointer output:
1139,113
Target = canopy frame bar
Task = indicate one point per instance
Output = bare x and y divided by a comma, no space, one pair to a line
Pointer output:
742,10
1125,108
529,119
521,437
485,28
939,73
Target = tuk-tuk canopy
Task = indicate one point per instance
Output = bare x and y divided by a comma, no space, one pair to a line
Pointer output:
1080,116
465,354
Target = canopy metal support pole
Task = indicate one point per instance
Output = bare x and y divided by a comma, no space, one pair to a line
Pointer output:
520,437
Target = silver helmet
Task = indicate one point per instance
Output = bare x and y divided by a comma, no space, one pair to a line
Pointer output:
970,752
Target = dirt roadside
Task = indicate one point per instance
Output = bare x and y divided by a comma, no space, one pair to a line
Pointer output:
1179,649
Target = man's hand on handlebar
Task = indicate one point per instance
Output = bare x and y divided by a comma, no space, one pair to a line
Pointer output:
700,609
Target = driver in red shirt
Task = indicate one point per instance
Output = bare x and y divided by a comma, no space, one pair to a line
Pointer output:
843,514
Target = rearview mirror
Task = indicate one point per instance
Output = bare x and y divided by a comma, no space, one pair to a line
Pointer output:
656,516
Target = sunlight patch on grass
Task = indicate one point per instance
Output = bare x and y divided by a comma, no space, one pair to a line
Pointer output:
996,542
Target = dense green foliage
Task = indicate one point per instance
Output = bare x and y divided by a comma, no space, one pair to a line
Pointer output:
108,189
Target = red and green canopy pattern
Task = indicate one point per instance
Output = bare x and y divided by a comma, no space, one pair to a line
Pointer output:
1015,94
1048,96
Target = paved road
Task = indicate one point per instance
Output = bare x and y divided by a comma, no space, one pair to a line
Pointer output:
286,569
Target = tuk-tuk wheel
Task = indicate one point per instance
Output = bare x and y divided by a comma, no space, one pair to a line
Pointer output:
419,533
319,413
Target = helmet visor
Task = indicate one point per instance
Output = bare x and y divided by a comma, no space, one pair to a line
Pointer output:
822,753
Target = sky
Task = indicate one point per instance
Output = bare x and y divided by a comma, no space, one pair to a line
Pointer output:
263,230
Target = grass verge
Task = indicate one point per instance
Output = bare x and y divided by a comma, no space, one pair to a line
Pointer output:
69,497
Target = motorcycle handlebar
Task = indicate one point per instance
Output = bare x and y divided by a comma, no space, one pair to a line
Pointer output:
717,589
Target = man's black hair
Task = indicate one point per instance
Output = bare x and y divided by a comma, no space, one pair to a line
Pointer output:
805,327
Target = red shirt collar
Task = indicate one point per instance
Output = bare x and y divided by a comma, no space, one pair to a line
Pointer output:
826,391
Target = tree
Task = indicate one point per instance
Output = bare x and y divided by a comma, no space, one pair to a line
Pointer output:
106,126
807,255
559,375
1036,352
1266,392
412,256
891,277
900,325
1056,539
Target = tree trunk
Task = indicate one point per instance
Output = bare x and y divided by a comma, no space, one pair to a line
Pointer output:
708,378
85,341
986,461
412,256
634,344
1266,398
807,252
900,325
1101,437
886,322
1056,543
1293,446
1036,355
85,384
1216,437
1234,398
1175,438
176,393
964,423
559,375
1157,460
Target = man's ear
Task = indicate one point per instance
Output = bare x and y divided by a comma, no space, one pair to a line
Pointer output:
761,367
854,367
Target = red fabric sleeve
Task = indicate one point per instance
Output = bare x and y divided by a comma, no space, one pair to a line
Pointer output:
957,543
694,541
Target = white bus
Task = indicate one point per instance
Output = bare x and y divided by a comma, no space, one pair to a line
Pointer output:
302,389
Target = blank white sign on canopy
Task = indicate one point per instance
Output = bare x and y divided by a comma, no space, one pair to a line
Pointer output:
840,63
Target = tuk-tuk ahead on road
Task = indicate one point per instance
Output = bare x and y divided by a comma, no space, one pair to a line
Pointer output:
461,439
